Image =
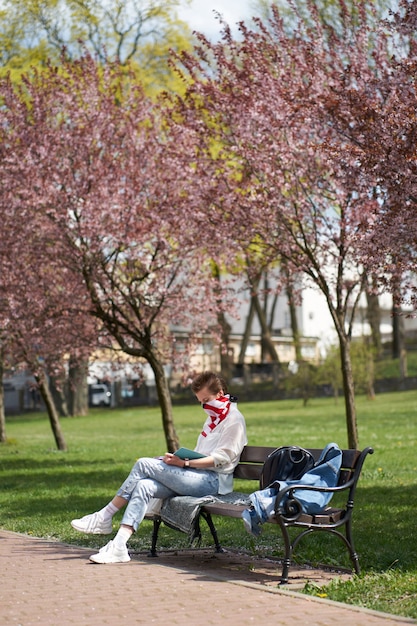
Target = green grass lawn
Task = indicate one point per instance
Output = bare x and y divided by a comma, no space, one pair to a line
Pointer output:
41,489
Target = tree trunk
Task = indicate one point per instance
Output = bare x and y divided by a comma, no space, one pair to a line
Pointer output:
253,282
294,324
397,332
293,314
3,438
403,364
247,332
165,403
264,344
374,319
266,335
78,388
52,412
58,395
398,344
226,355
272,312
349,390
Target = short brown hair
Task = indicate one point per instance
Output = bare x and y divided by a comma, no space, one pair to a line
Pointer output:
211,380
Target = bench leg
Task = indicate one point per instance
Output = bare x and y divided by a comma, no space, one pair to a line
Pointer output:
156,524
213,530
353,554
285,569
288,548
347,539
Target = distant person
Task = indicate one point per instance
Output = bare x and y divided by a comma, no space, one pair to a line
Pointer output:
221,441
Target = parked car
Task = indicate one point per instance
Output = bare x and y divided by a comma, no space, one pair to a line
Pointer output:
99,395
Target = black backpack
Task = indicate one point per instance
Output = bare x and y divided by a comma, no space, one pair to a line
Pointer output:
285,463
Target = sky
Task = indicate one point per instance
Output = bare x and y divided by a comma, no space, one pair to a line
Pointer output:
199,15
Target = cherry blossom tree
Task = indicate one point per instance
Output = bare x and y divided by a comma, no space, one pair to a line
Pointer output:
369,101
44,312
373,112
93,159
257,106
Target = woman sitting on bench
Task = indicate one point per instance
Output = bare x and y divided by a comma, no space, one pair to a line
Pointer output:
221,442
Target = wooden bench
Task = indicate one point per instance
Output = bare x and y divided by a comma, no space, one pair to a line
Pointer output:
331,520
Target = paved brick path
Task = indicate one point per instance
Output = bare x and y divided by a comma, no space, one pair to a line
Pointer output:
51,584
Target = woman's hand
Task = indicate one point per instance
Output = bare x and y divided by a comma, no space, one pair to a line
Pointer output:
172,459
206,462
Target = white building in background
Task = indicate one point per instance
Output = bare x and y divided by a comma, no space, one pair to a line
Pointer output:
315,324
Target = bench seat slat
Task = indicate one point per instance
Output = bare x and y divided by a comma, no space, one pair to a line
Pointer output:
226,510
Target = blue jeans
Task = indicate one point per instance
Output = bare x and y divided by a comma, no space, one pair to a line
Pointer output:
152,478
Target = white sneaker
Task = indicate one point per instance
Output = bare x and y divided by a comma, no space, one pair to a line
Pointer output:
111,554
93,525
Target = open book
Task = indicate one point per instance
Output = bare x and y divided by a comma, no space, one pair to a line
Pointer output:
186,453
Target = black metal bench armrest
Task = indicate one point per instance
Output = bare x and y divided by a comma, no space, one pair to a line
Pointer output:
291,509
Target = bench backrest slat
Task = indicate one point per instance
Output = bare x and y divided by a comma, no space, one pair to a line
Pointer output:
248,471
255,454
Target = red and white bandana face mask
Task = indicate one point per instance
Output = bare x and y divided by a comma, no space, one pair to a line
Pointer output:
217,410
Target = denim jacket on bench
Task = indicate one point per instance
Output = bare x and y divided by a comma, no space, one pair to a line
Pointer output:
325,473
